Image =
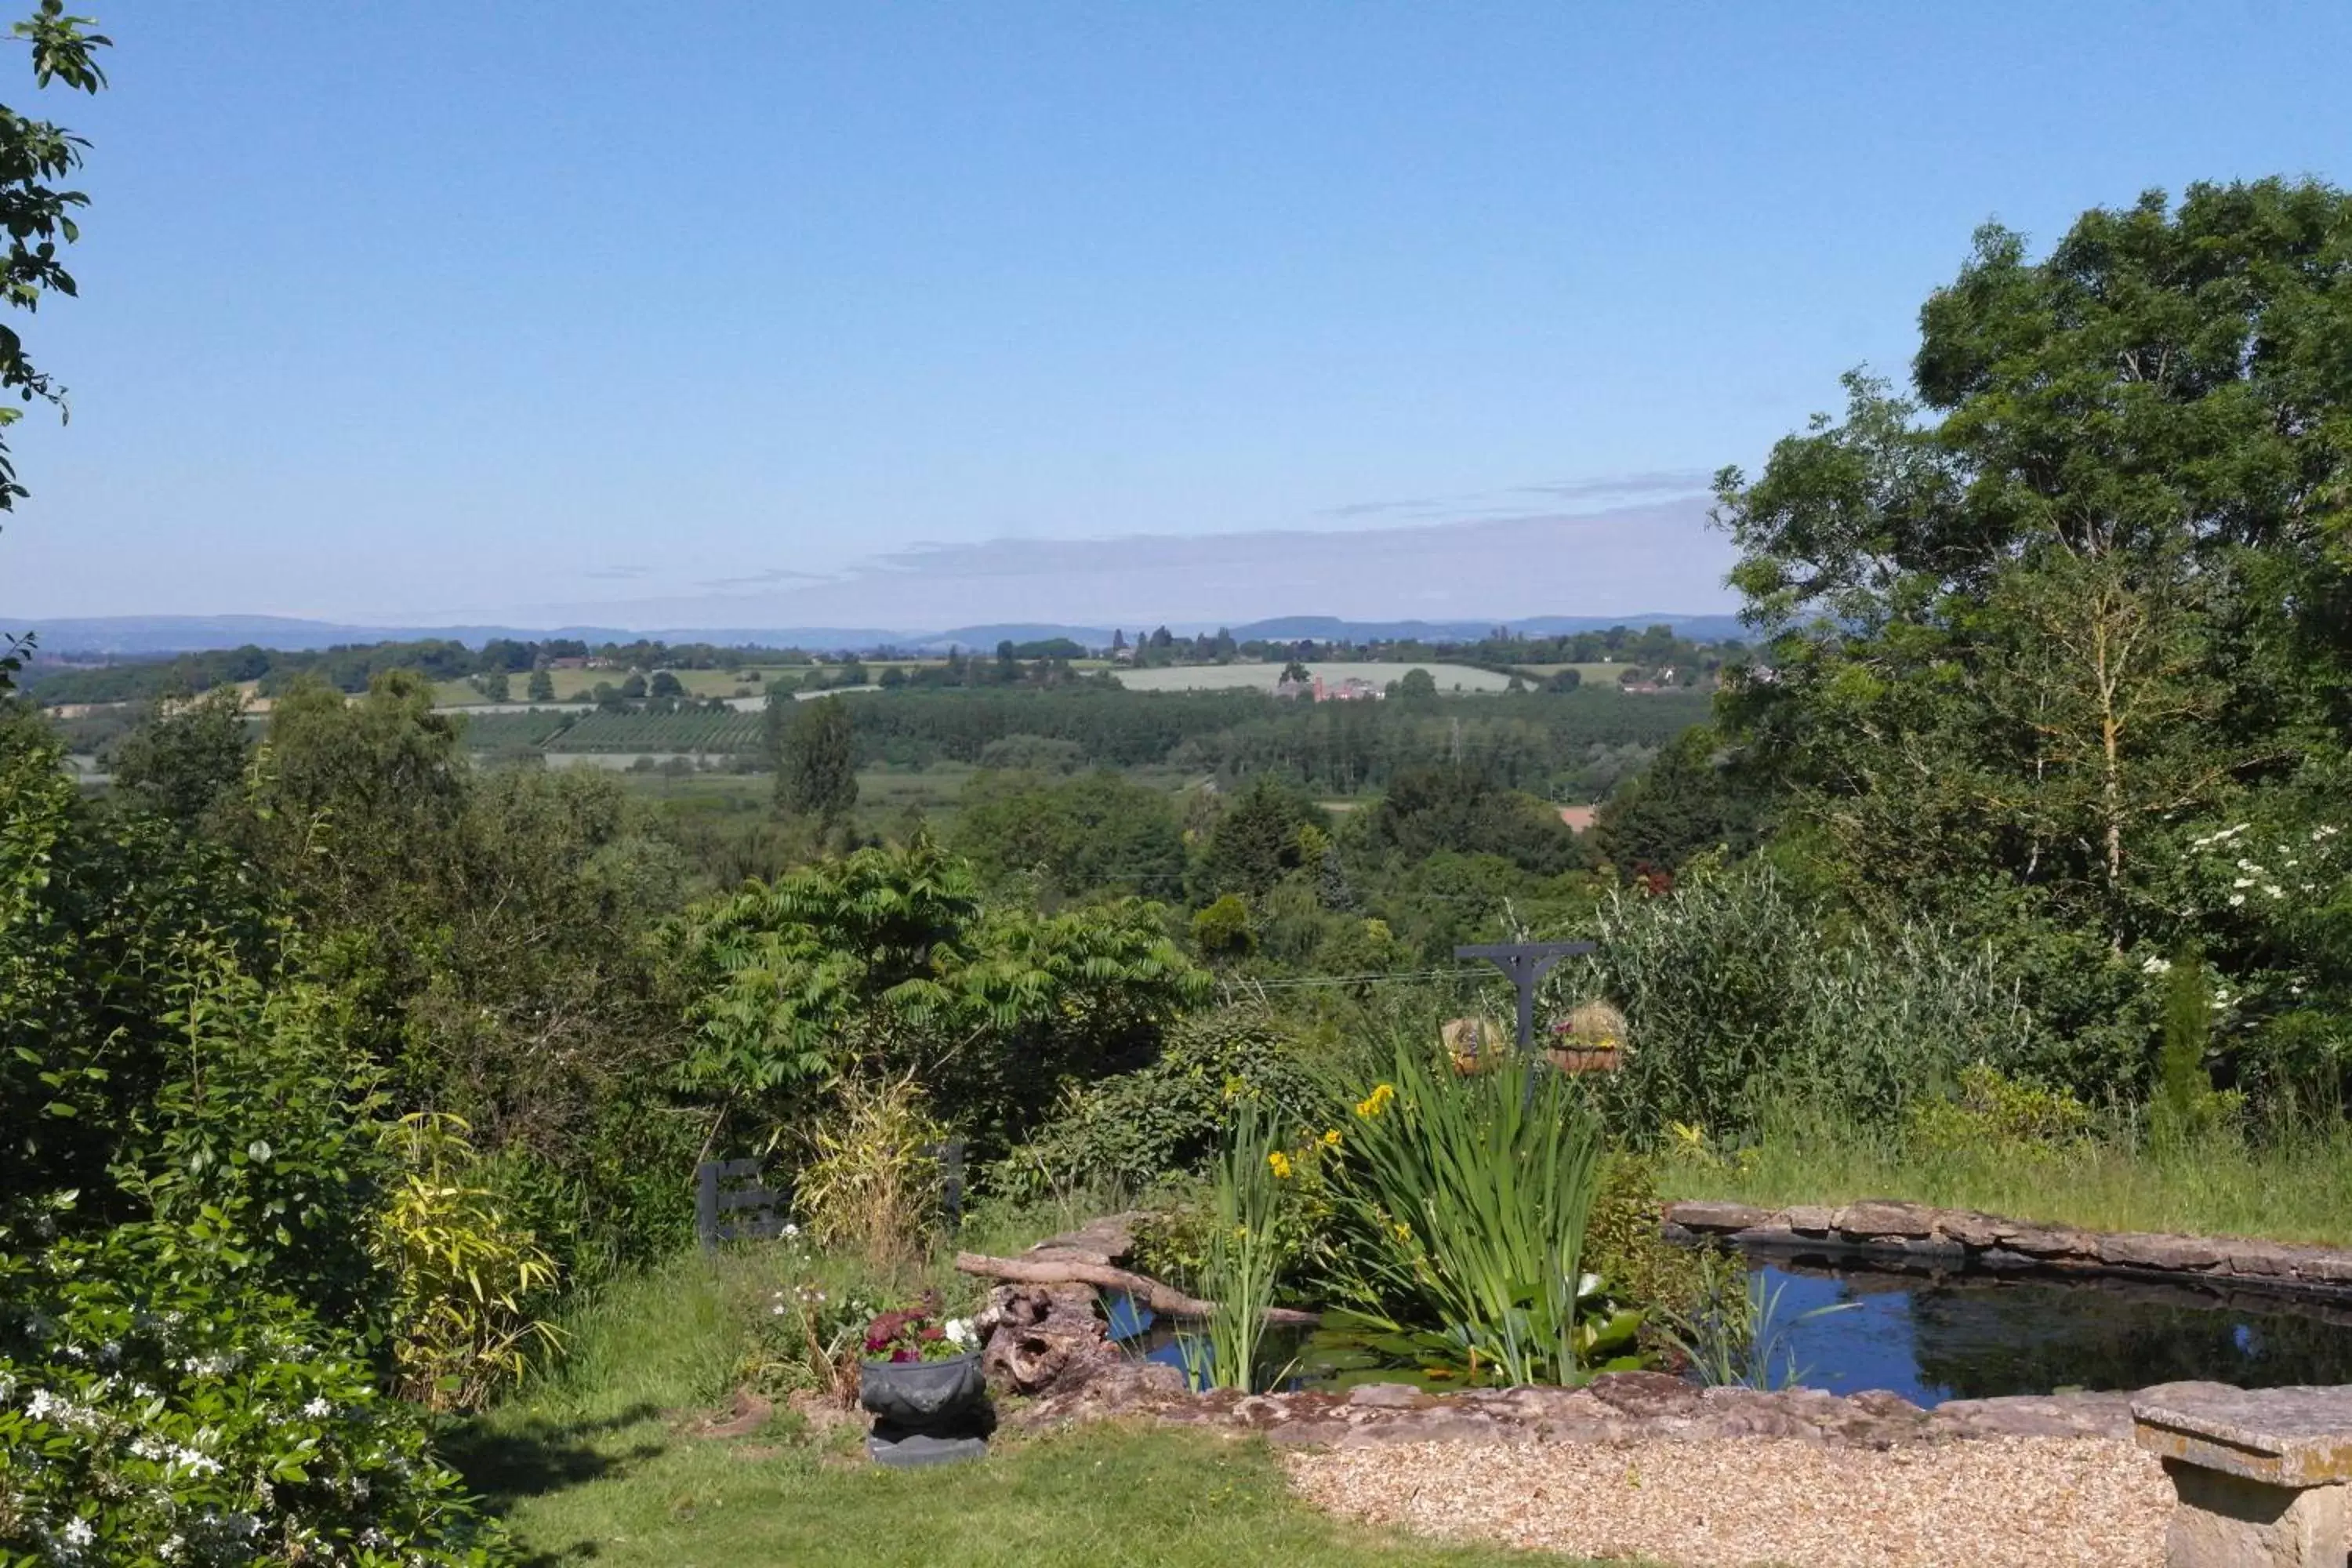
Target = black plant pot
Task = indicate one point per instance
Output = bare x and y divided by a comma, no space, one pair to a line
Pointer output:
924,1396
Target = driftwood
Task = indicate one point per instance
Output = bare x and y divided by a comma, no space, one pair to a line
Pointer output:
1161,1298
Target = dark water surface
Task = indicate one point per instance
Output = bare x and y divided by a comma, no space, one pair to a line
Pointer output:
1933,1338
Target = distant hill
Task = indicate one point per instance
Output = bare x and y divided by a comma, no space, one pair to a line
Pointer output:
148,637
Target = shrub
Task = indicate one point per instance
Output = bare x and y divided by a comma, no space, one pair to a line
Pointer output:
1737,992
871,1183
1166,1117
1993,1112
150,1415
461,1329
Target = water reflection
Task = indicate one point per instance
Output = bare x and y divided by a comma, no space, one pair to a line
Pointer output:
1932,1338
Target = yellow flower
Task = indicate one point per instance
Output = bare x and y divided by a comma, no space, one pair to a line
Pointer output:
1373,1104
1688,1137
1403,1232
1281,1163
1332,1139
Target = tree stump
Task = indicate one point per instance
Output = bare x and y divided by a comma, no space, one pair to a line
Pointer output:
1044,1339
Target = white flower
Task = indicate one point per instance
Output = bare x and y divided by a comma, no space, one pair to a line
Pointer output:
1586,1285
2237,897
2244,882
2274,891
318,1409
959,1330
79,1532
2156,966
791,1229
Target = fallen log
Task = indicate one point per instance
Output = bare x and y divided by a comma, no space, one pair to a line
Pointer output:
1163,1299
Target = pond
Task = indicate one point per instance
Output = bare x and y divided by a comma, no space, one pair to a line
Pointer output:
1930,1337
1933,1337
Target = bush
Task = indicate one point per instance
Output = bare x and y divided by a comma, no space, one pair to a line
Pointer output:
1166,1117
1991,1112
148,1415
461,1325
1737,992
871,1183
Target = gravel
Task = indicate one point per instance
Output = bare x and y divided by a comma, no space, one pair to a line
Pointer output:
2015,1502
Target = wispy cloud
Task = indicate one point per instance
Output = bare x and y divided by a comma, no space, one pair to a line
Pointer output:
617,574
1606,490
1659,482
767,579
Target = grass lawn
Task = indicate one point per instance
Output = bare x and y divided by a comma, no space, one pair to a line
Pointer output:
2289,1186
598,1464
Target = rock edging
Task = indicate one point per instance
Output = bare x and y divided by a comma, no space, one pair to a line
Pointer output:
1968,1238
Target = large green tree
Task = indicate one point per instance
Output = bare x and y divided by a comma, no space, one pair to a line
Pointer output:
2045,627
816,770
37,214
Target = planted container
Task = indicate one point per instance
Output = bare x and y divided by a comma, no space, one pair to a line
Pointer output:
923,1395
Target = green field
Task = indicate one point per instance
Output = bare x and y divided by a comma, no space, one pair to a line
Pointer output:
723,732
510,731
1231,676
1600,674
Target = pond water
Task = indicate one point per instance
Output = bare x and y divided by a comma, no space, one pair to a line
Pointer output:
1932,1337
1937,1337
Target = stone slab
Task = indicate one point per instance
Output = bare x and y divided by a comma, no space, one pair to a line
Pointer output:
2292,1437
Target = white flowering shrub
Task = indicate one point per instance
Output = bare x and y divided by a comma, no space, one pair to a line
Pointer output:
147,1418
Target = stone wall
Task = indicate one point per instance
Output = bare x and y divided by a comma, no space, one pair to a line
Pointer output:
1884,1230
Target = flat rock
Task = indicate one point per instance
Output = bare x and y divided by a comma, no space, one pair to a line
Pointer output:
2286,1437
1699,1213
2148,1249
1887,1216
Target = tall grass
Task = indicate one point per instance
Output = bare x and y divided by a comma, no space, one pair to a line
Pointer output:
1243,1255
1465,1199
2287,1179
1738,990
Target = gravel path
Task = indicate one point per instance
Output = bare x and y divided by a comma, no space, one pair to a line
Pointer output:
1993,1502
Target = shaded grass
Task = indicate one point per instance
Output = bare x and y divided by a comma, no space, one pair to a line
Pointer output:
596,1463
2292,1183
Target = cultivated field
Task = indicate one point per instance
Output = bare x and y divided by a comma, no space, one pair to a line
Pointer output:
1228,677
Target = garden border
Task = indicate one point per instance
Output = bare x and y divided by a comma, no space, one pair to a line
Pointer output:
1887,1231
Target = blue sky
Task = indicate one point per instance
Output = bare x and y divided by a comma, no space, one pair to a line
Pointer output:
769,313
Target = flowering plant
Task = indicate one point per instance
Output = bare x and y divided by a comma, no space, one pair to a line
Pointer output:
918,1333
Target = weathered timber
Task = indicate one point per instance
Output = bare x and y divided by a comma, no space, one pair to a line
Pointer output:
1165,1299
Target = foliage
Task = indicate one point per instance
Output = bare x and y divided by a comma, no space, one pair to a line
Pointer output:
152,1414
1739,991
1243,1254
1168,1115
1460,809
464,1273
38,217
870,1182
180,763
2185,1104
1076,837
2041,632
1624,1244
1463,1202
1990,1111
1223,929
1738,1336
816,761
1260,839
918,1333
887,958
1683,803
